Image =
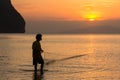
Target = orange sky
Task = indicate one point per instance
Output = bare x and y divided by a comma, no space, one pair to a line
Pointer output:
68,9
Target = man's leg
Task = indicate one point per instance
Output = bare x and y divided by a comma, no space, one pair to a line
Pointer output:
41,68
35,67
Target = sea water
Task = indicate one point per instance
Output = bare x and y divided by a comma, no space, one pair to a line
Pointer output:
67,57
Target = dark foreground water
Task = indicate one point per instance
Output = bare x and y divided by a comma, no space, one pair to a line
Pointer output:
67,57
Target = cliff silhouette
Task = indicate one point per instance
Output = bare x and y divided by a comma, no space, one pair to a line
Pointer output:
10,20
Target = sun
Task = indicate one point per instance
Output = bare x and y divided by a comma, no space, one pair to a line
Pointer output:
91,17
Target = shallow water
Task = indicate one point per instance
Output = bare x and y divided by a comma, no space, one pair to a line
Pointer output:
67,57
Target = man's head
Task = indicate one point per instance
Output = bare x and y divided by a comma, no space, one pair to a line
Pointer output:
39,37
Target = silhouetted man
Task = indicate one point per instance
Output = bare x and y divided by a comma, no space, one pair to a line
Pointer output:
37,50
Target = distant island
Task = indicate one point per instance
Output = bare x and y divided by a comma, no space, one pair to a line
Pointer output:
10,20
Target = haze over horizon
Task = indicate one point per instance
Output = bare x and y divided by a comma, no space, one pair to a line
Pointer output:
69,16
74,27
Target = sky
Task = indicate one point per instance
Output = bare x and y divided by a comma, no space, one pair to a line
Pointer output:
70,16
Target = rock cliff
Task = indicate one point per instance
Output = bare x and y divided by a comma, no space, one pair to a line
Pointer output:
10,20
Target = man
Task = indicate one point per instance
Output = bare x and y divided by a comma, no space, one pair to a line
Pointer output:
37,50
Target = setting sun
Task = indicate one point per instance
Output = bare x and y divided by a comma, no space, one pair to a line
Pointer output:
92,17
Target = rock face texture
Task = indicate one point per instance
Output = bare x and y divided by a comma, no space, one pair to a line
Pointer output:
10,20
